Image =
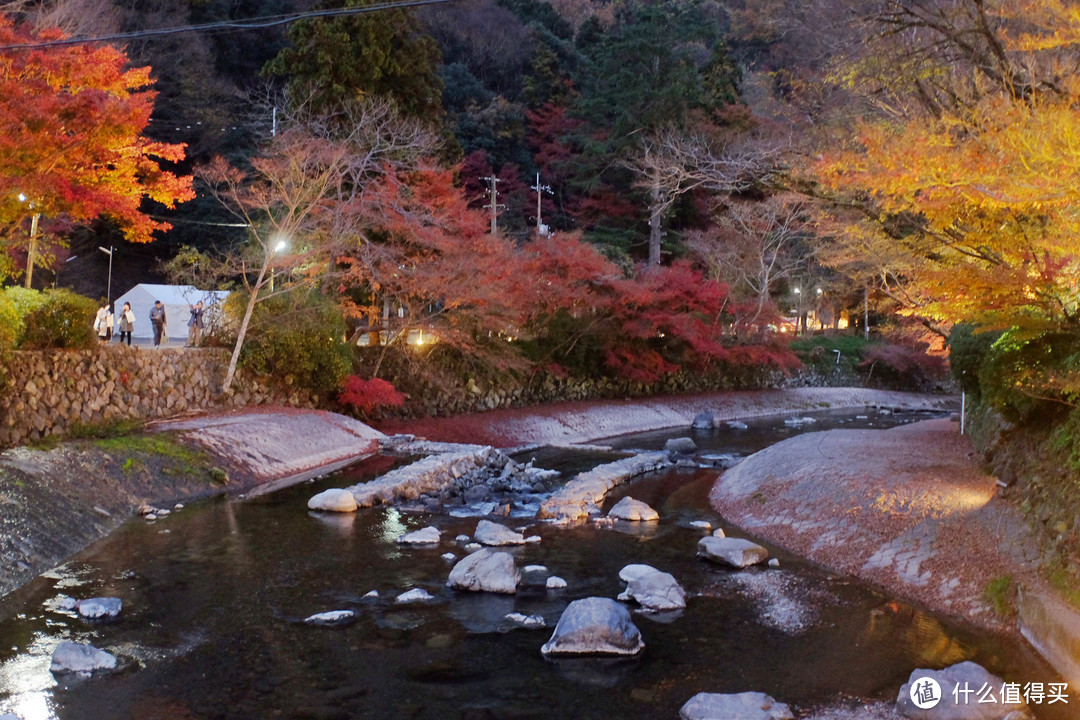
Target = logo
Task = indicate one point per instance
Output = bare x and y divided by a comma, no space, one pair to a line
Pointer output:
925,693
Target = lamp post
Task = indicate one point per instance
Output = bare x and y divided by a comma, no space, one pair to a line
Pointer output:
31,253
798,310
278,247
108,292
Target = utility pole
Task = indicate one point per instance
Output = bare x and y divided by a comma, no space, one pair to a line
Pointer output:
32,252
541,229
109,252
493,191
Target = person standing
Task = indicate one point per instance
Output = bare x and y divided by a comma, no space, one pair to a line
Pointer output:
127,323
103,323
157,319
195,325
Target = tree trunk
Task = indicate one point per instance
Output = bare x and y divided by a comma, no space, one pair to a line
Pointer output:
655,213
244,326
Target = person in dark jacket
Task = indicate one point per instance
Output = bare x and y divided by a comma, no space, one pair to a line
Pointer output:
157,319
195,325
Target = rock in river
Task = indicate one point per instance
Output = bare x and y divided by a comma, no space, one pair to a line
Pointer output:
736,706
100,607
332,617
77,658
492,533
733,552
966,675
652,589
427,536
594,625
486,571
333,500
630,509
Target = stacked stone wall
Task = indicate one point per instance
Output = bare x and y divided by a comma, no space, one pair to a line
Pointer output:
50,392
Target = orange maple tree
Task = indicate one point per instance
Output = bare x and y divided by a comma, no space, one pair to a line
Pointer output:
71,143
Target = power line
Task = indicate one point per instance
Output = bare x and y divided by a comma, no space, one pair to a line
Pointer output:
252,24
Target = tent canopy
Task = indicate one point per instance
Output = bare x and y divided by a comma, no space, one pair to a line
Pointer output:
177,299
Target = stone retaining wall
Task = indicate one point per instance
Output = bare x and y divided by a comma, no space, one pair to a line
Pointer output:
49,392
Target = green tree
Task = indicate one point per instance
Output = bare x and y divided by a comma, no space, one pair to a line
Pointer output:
332,62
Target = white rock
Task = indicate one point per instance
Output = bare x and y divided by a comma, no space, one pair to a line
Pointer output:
594,625
333,500
737,706
526,621
449,557
77,658
427,536
491,533
737,425
413,596
178,506
332,617
473,547
702,525
162,513
486,571
719,532
634,570
555,583
774,563
965,674
463,539
101,607
534,569
654,590
634,510
371,594
151,517
733,552
532,539
65,602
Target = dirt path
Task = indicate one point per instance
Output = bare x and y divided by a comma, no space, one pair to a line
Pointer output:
908,508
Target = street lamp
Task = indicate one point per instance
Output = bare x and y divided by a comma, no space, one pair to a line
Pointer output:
33,243
798,310
109,252
280,245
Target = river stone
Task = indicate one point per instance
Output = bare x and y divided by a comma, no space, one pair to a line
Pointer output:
655,591
492,533
413,596
733,552
77,658
333,500
486,570
681,446
630,509
101,607
332,617
737,425
594,626
736,706
634,571
427,536
526,621
975,676
555,583
704,421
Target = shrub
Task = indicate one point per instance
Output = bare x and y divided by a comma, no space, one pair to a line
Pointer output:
967,351
1024,376
62,320
367,396
295,337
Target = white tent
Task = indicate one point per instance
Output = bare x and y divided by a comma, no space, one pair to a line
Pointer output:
177,299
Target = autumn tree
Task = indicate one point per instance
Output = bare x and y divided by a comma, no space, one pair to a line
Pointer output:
72,119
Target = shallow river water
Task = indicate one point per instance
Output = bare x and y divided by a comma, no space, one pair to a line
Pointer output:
214,598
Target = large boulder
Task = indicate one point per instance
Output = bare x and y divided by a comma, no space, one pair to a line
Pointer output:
592,626
100,607
654,590
78,658
492,533
333,500
733,552
630,509
736,706
966,675
486,571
